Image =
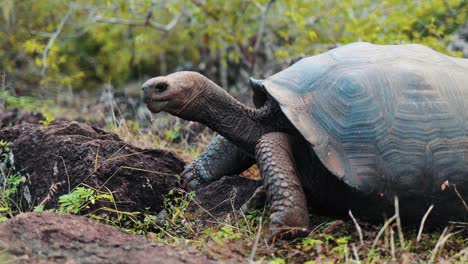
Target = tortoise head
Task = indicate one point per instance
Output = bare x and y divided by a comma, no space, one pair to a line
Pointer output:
172,93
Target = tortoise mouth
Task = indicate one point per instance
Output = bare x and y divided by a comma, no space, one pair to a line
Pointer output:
155,106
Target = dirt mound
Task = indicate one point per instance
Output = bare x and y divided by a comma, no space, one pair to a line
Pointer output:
57,158
57,238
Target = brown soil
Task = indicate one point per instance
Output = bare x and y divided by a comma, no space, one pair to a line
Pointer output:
57,238
57,158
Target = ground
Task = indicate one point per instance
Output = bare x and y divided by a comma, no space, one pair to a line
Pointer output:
181,223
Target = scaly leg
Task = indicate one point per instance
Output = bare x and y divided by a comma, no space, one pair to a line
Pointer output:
218,159
289,215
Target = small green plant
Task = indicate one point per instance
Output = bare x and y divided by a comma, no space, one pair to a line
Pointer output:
5,151
9,183
342,246
172,134
80,199
167,227
309,243
177,222
227,232
278,261
28,103
9,187
49,118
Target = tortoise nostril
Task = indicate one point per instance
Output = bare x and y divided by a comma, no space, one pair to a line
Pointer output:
144,87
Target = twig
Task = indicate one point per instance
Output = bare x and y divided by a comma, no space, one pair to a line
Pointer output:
392,243
96,159
207,211
145,170
111,157
358,228
3,85
245,219
53,38
356,255
81,32
459,196
144,23
51,192
346,251
422,223
386,240
387,223
3,81
459,254
259,36
441,242
111,102
108,179
165,232
66,171
257,239
398,221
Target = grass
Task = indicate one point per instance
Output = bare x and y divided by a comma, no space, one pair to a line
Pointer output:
239,236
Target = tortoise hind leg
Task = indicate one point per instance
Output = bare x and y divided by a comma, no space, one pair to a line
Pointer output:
289,215
218,159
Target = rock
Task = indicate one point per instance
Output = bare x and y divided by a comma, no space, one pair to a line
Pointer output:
59,238
220,197
57,158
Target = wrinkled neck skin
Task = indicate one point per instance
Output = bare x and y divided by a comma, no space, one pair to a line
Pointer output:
241,125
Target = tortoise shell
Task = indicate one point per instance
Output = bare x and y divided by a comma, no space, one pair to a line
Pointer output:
390,119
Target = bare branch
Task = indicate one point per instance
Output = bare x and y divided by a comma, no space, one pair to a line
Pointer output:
398,221
257,238
441,242
79,33
392,243
42,34
384,227
356,255
459,196
421,226
260,31
145,22
53,38
358,228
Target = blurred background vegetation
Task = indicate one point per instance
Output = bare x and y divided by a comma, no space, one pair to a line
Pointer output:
51,47
86,59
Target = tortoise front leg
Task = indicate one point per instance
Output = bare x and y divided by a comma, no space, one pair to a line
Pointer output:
218,159
283,186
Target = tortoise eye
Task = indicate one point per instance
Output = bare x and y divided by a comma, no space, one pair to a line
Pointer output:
160,87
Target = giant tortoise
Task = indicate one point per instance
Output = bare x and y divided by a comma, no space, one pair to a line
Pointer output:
349,129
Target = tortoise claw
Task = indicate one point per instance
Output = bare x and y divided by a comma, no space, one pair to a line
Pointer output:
188,178
287,233
192,178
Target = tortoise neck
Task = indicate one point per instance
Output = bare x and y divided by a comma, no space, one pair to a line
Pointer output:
238,123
